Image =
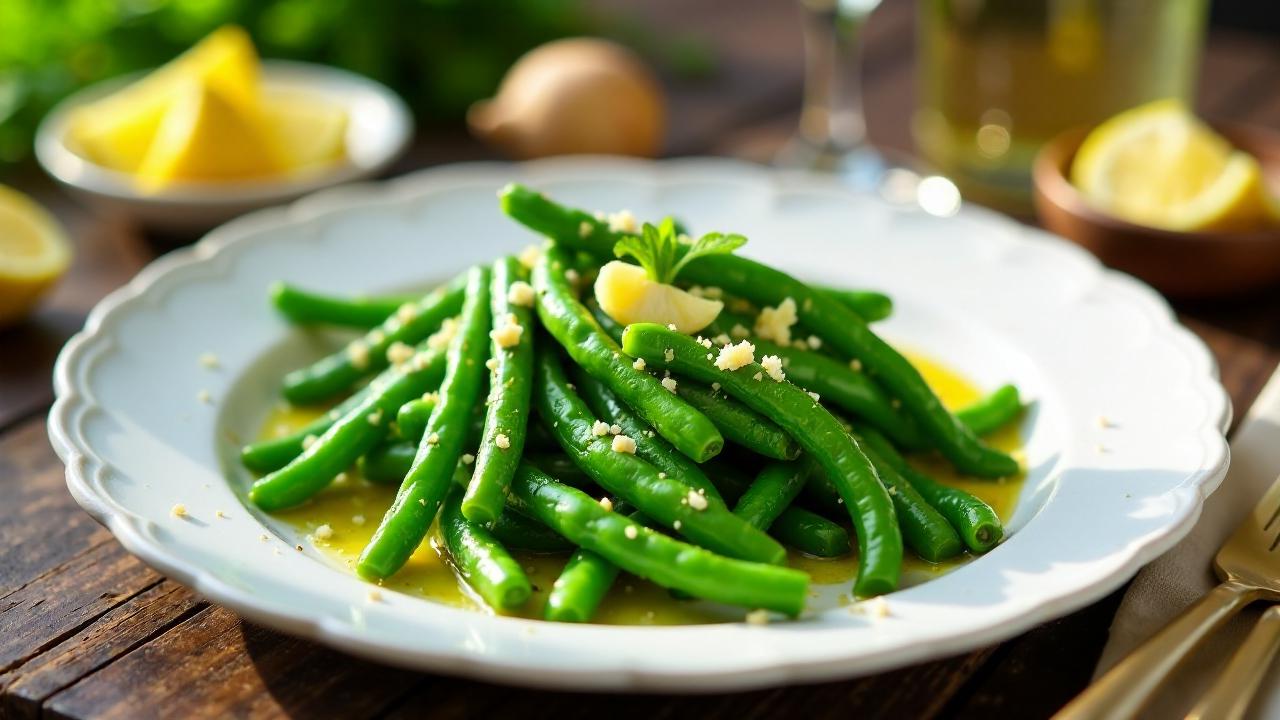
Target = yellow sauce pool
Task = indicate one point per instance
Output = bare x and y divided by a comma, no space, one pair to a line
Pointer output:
353,507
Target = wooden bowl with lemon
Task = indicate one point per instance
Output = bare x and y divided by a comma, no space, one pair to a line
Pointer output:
1186,206
217,132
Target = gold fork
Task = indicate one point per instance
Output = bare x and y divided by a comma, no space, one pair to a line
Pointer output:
1249,567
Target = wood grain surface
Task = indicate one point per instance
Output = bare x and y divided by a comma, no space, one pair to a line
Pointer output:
87,631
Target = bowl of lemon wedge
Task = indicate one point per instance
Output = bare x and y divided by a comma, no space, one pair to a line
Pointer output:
1191,207
217,132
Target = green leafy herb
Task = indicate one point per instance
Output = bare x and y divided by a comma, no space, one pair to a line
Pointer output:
661,253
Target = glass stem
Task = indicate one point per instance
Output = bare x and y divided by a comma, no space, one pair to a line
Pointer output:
831,121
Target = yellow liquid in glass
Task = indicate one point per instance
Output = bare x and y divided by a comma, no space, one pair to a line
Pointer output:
352,509
998,78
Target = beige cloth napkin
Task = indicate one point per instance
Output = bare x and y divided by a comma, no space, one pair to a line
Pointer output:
1184,574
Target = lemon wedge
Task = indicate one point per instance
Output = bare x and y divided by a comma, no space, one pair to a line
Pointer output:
309,131
117,131
34,253
205,137
627,294
1158,165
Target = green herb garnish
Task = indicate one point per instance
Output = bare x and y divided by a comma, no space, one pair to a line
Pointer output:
661,253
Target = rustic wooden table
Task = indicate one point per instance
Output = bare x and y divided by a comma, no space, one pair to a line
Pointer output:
88,631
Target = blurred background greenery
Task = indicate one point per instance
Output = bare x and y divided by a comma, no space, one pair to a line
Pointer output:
440,55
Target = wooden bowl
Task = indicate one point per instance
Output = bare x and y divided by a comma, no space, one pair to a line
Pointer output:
1180,264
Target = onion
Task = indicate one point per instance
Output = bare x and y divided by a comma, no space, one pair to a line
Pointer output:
581,95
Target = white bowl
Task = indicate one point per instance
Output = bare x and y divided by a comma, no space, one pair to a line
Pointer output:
379,128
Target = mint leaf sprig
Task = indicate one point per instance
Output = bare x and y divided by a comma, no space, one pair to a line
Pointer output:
662,255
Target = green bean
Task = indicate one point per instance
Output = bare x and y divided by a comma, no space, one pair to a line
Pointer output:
388,462
868,304
418,500
338,372
652,555
772,492
702,518
507,417
924,529
516,531
847,333
838,383
307,308
977,523
481,560
992,412
837,324
818,432
559,466
796,527
574,328
411,419
649,447
351,436
738,423
267,455
580,588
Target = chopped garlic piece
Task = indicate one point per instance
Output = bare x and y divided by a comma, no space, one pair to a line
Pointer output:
399,353
520,293
638,364
732,357
774,323
772,364
507,333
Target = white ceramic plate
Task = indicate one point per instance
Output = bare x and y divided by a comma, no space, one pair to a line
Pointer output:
379,126
999,301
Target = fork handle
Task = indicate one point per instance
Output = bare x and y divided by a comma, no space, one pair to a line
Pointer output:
1121,693
1235,687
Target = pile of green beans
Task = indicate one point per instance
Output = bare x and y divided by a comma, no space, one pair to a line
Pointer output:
602,443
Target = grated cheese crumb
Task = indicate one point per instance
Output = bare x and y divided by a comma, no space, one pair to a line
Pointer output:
375,417
816,397
715,387
492,364
357,519
774,323
697,501
399,353
758,617
210,361
732,357
739,331
468,458
375,595
441,338
668,354
638,364
772,364
179,510
358,353
572,276
308,441
758,377
704,342
630,532
433,439
599,428
502,441
219,514
676,525
622,221
530,256
814,341
672,327
855,365
1104,422
406,312
520,293
507,333
204,397
606,503
324,532
584,229
431,397
623,444
670,383
615,429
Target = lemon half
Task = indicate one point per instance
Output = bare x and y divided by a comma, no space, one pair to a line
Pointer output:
34,253
1157,165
